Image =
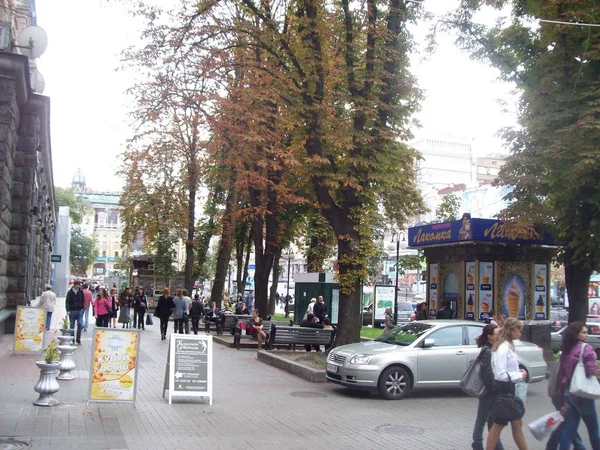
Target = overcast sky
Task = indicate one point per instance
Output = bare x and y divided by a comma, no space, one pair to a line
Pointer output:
89,107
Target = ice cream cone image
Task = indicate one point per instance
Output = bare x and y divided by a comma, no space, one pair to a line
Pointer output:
485,307
485,279
513,300
539,305
539,278
470,276
433,278
470,303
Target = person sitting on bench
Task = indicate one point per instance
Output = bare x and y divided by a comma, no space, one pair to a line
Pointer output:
310,323
213,315
257,328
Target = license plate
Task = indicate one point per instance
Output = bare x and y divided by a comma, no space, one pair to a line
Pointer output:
332,368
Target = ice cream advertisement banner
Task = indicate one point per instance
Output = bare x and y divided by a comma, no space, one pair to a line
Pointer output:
114,365
29,329
486,294
470,291
513,297
541,291
433,288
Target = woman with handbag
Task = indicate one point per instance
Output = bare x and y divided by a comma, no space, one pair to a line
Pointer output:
163,310
576,407
488,336
507,408
140,306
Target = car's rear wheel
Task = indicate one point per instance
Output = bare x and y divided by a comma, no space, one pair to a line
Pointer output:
394,383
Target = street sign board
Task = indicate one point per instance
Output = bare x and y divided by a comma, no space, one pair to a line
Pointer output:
56,258
30,326
189,366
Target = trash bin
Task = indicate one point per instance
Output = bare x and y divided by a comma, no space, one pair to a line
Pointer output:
538,333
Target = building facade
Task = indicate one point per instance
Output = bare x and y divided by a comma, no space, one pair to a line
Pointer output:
27,214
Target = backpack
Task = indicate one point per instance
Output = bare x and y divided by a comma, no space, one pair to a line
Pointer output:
553,381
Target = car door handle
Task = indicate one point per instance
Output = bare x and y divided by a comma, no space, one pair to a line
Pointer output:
461,352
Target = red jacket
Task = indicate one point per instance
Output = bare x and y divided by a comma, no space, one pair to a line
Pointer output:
87,298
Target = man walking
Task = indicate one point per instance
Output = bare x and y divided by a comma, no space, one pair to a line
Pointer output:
320,309
74,304
87,297
47,300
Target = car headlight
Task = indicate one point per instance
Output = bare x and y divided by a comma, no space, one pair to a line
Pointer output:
361,359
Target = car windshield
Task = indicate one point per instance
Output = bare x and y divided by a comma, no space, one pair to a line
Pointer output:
404,334
403,306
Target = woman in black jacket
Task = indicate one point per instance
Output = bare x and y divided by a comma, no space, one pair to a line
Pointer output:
485,342
163,310
140,305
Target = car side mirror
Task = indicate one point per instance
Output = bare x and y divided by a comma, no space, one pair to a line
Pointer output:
428,343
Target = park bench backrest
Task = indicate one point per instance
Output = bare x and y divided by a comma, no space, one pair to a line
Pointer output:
301,335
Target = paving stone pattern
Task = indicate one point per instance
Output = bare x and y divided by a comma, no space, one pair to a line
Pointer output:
254,406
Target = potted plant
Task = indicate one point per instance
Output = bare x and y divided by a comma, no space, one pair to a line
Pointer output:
66,330
47,385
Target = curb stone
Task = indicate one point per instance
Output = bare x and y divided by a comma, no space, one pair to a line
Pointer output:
312,375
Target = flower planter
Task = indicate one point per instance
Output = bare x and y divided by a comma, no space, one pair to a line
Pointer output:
66,364
47,384
67,331
65,340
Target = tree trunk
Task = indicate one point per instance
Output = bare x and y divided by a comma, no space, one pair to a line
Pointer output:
274,284
577,280
240,244
207,229
189,242
247,261
224,252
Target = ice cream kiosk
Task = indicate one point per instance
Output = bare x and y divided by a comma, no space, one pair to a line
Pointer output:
480,265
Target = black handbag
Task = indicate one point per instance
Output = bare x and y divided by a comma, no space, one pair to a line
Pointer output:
507,407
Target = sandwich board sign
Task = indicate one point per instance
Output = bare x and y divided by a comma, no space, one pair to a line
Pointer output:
115,364
189,366
30,327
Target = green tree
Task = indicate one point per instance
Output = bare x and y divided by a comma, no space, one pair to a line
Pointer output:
555,149
77,205
165,253
83,252
448,210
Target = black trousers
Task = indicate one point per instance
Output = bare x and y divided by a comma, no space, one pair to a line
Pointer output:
140,317
217,320
164,323
195,324
102,321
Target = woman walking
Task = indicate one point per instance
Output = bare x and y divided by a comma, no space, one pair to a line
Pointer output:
125,302
102,308
484,342
140,305
506,373
389,323
576,408
180,310
163,310
115,307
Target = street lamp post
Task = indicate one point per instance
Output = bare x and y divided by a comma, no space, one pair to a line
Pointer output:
397,234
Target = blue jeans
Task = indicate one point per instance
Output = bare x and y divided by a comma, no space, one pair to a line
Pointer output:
580,408
76,316
554,439
86,316
48,319
483,417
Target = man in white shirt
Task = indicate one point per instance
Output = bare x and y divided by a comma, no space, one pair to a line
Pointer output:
48,300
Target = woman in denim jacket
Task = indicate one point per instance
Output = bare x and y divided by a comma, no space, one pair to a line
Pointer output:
577,408
485,342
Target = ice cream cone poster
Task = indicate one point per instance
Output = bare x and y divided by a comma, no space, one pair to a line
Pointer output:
541,291
30,326
470,290
433,291
114,365
513,297
486,294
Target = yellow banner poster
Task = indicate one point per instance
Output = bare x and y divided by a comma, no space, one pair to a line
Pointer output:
114,365
29,329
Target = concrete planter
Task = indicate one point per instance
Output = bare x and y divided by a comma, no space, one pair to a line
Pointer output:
47,385
312,375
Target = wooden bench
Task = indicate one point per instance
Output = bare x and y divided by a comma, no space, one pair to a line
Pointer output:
292,336
228,324
267,328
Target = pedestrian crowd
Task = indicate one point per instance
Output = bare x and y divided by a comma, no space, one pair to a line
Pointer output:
502,402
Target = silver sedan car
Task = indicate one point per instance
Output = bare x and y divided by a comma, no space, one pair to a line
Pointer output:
425,354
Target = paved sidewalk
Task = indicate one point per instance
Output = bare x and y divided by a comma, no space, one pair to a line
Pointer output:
254,406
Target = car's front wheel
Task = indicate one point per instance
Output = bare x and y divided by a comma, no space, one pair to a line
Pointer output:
394,383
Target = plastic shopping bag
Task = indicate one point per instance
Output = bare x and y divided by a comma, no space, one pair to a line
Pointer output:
542,427
521,391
